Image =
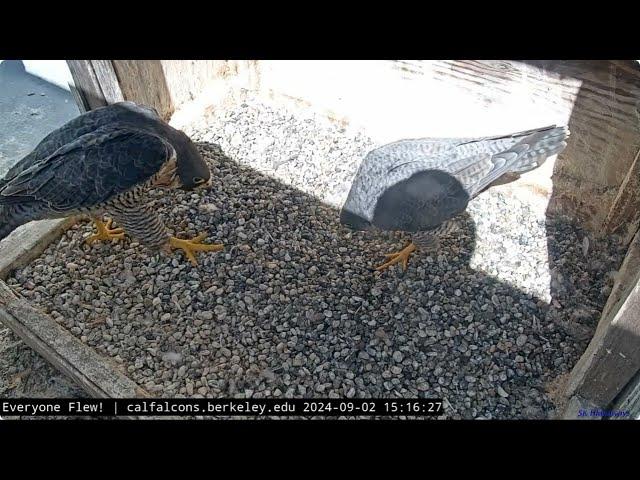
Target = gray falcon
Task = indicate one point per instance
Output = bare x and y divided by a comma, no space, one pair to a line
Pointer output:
106,160
422,185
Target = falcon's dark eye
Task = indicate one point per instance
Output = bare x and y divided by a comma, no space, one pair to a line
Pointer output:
198,180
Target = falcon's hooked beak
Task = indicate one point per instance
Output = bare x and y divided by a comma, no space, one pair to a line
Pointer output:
199,183
353,221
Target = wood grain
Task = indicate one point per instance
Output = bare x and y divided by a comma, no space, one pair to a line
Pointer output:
86,87
108,81
143,81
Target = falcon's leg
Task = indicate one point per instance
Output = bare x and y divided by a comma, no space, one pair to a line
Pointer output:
144,224
427,240
105,232
401,256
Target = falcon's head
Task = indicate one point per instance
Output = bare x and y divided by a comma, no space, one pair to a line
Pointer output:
193,171
353,220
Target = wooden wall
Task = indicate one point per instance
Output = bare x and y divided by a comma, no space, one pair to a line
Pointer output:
186,79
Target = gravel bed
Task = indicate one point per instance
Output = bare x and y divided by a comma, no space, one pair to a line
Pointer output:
292,306
25,374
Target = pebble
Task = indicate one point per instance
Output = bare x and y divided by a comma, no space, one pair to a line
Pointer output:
501,392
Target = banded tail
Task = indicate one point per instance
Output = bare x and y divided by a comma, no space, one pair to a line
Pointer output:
542,144
520,153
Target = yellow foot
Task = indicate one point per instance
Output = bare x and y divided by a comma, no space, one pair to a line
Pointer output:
401,256
105,232
195,245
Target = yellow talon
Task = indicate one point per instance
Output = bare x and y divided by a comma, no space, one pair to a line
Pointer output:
194,245
401,256
105,232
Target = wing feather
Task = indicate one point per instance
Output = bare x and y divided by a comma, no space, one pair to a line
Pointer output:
89,170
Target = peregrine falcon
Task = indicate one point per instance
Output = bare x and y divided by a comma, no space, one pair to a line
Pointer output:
106,160
423,185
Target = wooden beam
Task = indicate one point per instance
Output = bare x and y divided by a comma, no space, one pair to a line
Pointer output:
96,83
108,81
95,374
28,242
629,66
629,400
86,88
143,81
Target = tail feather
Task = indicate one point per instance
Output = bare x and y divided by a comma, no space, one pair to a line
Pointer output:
542,145
531,150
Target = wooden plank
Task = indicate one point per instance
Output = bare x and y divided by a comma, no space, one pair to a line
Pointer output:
617,355
143,81
28,242
630,66
78,98
629,400
108,81
87,86
95,374
96,83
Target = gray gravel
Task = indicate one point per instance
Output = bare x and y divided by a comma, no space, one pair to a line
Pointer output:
292,306
24,373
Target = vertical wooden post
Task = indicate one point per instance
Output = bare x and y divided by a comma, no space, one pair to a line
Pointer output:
103,82
143,81
95,83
